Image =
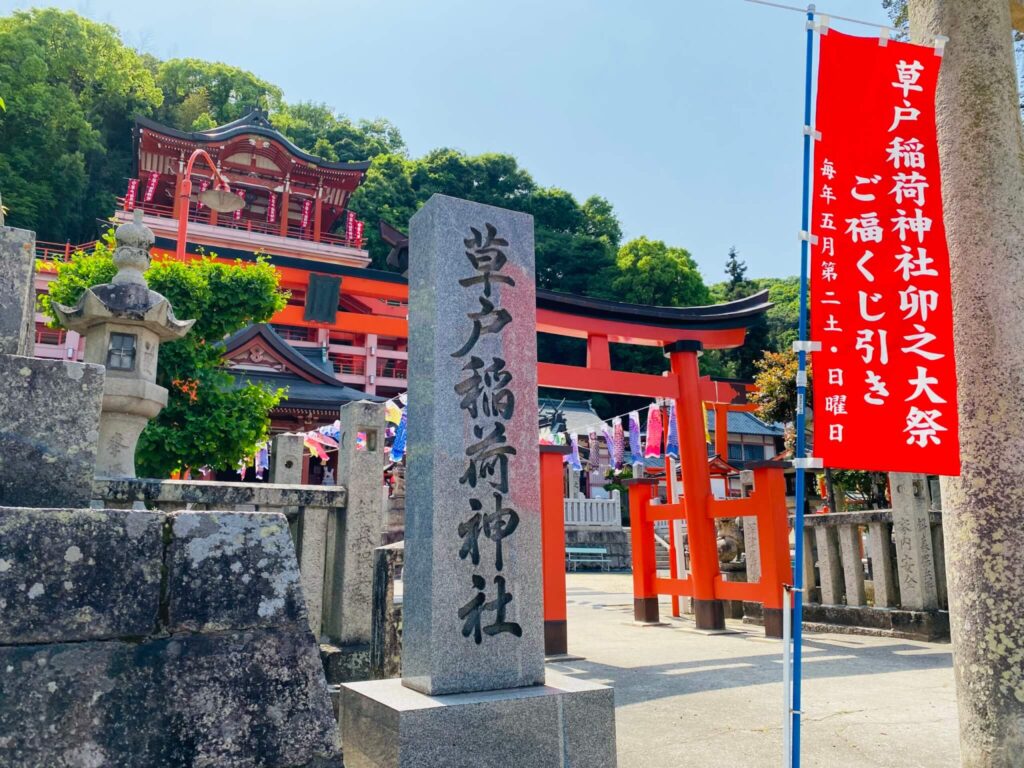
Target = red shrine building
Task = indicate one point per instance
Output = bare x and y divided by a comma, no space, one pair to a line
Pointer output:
342,335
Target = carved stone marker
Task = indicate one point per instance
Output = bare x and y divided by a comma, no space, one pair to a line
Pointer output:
473,613
912,530
473,604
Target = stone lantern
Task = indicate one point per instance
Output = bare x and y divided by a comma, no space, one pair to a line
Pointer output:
123,323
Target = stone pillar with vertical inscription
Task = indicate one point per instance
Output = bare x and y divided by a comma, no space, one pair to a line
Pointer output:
911,529
473,596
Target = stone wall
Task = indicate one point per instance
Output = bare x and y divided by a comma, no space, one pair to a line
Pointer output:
615,540
156,639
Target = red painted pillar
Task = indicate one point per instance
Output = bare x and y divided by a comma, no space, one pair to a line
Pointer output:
773,535
552,537
722,430
645,596
709,613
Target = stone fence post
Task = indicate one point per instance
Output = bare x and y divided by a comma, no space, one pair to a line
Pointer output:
353,535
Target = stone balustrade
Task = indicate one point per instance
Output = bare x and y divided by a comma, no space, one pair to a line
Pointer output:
598,512
316,518
877,570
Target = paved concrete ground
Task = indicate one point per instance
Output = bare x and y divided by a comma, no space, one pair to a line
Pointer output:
688,699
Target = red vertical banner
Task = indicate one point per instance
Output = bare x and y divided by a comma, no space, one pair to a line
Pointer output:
131,194
359,233
885,378
151,182
350,226
307,209
272,207
237,215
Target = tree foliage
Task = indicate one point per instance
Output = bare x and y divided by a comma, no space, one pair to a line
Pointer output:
72,89
775,397
651,272
208,420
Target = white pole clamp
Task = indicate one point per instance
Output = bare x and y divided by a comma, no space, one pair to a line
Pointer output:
805,235
821,24
940,45
809,131
883,36
808,463
807,346
801,378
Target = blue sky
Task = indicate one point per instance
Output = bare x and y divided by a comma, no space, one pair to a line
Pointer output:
686,114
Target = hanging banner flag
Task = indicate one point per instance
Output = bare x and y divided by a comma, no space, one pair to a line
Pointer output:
237,215
672,440
573,457
398,446
272,208
617,443
392,412
653,431
307,208
592,444
885,378
359,233
151,183
709,414
609,443
131,194
635,454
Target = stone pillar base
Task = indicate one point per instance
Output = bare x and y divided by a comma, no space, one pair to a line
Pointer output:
564,722
645,609
709,614
772,622
556,638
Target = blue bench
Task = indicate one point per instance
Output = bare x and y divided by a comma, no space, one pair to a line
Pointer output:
577,556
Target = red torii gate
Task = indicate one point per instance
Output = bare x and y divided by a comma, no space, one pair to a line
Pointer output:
682,333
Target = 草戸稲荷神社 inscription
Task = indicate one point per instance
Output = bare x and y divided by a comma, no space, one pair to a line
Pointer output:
473,562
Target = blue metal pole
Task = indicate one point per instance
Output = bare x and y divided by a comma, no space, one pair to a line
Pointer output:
801,395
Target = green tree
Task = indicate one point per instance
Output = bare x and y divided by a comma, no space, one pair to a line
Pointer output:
650,272
209,419
199,93
739,362
72,89
327,134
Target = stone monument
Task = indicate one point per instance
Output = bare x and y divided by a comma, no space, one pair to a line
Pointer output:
123,323
474,690
49,409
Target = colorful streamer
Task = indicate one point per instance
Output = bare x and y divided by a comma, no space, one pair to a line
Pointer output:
635,453
617,447
672,440
653,431
398,446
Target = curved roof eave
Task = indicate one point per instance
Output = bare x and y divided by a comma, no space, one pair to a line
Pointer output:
254,122
733,314
283,348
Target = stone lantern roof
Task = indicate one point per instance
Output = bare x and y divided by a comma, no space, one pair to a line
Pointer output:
126,297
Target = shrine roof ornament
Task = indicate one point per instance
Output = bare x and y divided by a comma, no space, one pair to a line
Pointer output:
255,122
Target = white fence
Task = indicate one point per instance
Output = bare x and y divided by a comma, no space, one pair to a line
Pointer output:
604,512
